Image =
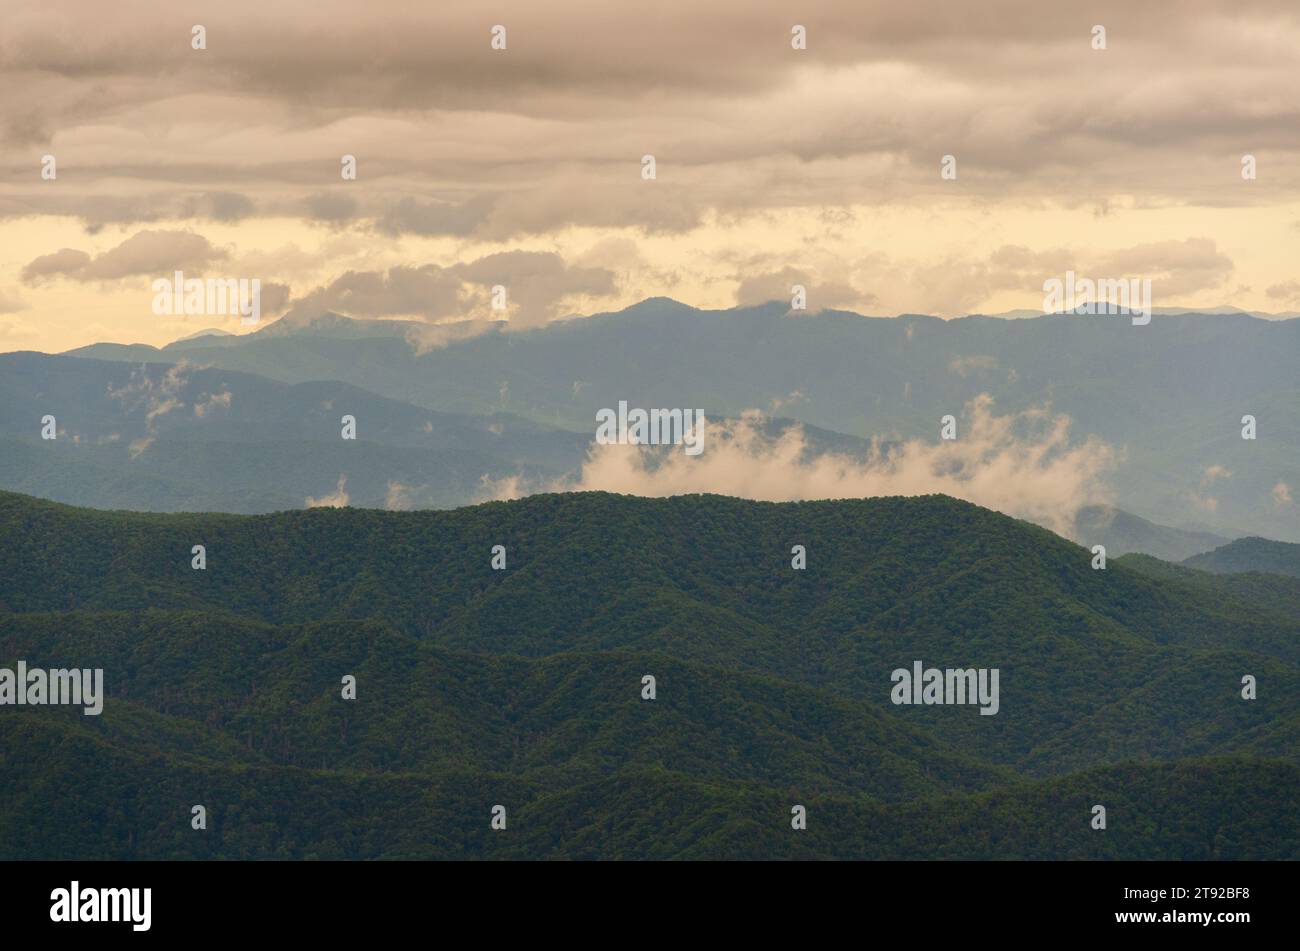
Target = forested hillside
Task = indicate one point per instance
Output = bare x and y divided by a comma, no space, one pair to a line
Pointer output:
523,686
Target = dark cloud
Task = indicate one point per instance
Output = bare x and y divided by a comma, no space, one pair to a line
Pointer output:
218,206
146,252
429,292
1287,292
760,288
416,216
331,207
535,283
454,139
64,261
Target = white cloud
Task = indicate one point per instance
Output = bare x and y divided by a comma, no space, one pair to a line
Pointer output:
336,499
1041,476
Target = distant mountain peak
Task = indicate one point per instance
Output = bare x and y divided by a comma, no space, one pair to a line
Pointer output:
657,304
1252,553
209,332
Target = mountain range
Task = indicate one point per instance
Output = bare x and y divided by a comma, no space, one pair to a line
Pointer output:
523,687
1167,398
177,437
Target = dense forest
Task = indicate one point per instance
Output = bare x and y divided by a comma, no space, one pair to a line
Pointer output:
523,686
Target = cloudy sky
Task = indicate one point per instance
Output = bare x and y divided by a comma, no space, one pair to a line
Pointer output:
523,167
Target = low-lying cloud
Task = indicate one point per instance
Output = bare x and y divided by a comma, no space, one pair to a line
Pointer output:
1022,464
339,498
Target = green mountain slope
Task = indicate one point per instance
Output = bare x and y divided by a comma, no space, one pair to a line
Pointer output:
74,797
478,686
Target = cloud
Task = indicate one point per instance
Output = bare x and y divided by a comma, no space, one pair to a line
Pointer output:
161,408
151,201
275,297
464,151
146,252
1213,474
959,284
790,399
1022,464
61,262
339,498
416,216
457,140
401,498
963,366
138,446
428,291
426,337
536,283
218,206
214,400
151,252
1287,292
1200,497
154,396
330,207
761,288
10,302
1176,268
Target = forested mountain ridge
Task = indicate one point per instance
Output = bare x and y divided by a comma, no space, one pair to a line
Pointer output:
476,686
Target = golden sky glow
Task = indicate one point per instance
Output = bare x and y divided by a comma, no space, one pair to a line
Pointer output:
522,166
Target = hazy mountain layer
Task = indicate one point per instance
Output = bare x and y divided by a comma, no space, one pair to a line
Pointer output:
1122,532
1169,395
177,437
1250,554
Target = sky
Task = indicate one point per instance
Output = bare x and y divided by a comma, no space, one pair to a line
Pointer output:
525,167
